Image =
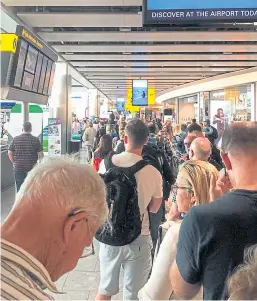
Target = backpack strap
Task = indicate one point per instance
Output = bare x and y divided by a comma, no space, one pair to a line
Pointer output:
137,167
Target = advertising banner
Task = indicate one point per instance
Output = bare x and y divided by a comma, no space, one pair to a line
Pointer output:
54,136
163,11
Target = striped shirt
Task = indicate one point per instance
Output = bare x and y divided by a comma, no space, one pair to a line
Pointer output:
22,276
25,148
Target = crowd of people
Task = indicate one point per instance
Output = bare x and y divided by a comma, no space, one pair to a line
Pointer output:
166,205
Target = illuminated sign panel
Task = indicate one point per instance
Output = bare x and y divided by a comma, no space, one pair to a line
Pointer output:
170,11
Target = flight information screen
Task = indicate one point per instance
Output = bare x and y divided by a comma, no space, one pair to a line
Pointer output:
42,75
31,60
37,73
20,64
170,11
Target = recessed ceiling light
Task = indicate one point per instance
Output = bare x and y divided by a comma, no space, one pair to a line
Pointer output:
125,29
68,53
47,29
126,53
227,53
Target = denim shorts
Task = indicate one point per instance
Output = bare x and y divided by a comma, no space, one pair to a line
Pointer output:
136,261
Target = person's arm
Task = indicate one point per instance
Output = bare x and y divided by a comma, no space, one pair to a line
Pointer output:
40,155
185,273
39,150
156,201
155,205
11,152
11,156
181,288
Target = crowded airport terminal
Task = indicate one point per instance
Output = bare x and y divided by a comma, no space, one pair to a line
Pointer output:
128,150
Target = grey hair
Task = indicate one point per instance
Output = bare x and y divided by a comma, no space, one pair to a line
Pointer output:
243,283
66,185
240,137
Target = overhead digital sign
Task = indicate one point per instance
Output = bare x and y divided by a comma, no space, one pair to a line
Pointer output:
140,92
172,11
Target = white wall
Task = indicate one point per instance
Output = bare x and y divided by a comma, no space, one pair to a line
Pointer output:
186,110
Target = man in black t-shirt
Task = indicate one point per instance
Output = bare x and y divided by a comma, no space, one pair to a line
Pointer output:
213,237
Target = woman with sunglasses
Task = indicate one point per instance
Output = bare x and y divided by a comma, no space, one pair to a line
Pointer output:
192,189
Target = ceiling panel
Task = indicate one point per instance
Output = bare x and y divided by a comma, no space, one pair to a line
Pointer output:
82,19
159,57
157,48
164,64
125,81
161,70
146,76
148,36
73,3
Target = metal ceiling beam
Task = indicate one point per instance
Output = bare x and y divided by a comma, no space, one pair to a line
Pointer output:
73,3
228,48
159,57
82,19
148,36
147,76
161,70
142,64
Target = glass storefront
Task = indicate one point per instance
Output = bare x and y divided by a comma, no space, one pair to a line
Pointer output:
188,109
230,105
235,103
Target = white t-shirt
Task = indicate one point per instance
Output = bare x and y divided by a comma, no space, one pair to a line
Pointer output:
149,183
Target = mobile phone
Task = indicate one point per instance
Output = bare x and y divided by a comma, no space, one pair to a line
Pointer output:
222,172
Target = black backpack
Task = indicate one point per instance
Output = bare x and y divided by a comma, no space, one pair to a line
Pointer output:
153,155
124,222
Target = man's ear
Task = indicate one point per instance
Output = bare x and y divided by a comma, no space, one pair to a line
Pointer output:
226,161
72,224
125,139
147,139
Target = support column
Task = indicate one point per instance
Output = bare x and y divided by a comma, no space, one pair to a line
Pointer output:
177,110
254,102
60,102
93,105
25,112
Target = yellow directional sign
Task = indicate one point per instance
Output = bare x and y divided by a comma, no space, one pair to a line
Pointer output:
151,96
151,100
128,105
8,42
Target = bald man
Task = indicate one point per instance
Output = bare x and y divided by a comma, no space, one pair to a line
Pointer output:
200,149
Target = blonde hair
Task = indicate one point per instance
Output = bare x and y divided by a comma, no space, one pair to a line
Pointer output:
197,175
243,283
63,184
177,129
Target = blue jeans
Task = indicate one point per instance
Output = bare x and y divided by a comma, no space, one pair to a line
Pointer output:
19,176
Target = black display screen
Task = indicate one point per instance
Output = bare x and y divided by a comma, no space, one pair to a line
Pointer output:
51,80
31,60
42,75
47,78
37,73
20,64
27,81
